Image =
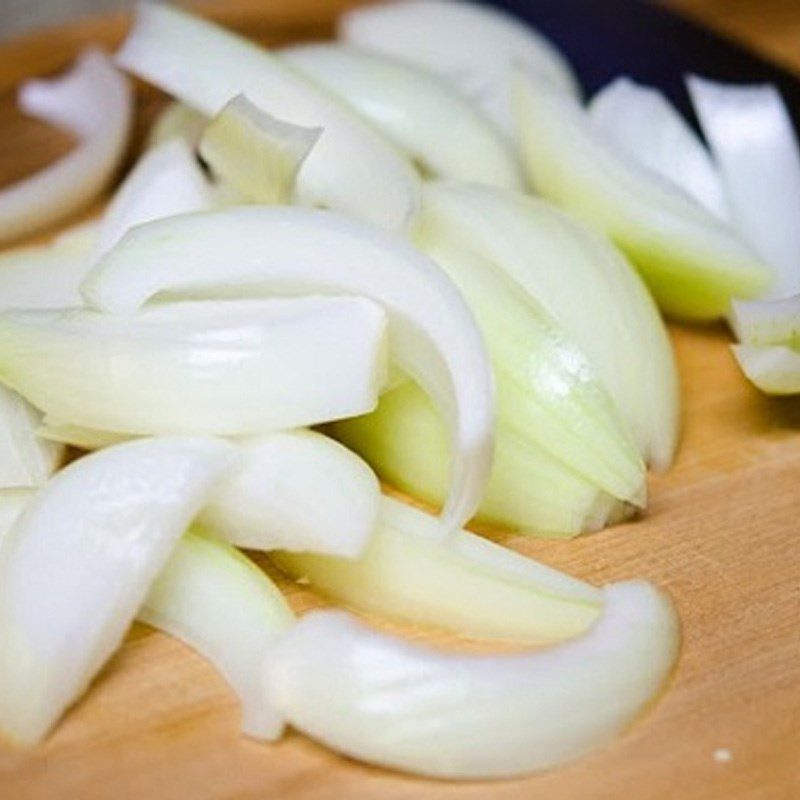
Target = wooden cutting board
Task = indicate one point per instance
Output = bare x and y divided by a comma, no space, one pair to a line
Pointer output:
721,534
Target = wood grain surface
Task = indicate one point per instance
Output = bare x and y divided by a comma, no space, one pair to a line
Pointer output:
721,534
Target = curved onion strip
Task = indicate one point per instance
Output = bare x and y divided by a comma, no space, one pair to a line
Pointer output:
257,154
298,491
167,180
385,701
752,139
433,335
762,322
641,122
471,45
64,604
12,503
407,574
216,600
177,121
439,129
577,277
352,169
775,369
226,367
93,102
76,436
693,263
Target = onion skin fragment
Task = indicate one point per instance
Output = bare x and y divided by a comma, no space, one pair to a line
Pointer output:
388,702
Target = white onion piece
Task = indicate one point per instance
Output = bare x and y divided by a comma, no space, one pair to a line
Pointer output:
12,503
385,701
433,335
763,322
692,261
78,563
226,367
422,114
83,438
471,45
753,142
216,600
298,491
775,369
352,168
167,180
177,121
641,122
95,103
468,585
256,153
578,277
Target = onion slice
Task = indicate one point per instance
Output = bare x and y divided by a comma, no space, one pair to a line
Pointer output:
420,113
433,335
12,503
775,369
256,153
352,168
407,574
753,142
693,263
471,45
78,563
226,367
297,491
177,121
216,600
642,123
763,322
388,702
95,103
167,180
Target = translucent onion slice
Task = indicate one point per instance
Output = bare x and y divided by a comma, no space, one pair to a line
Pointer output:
407,574
167,180
226,367
258,154
433,334
216,600
12,503
754,144
177,121
352,168
763,322
93,102
642,123
577,276
775,369
78,563
471,45
388,702
83,438
529,490
438,128
693,263
298,491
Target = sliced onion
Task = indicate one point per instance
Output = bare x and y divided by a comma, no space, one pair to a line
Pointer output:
471,45
167,180
93,102
352,169
256,153
764,322
438,128
775,369
753,141
378,699
433,334
407,574
76,436
693,263
226,367
177,121
297,491
79,561
222,605
529,490
581,280
12,503
642,123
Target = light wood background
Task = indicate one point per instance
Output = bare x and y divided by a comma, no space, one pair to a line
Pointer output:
721,534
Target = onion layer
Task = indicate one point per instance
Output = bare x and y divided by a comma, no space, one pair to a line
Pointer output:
775,369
